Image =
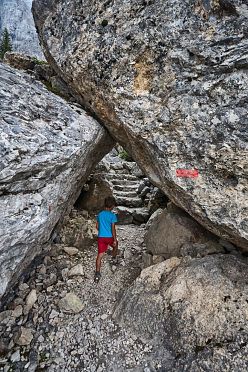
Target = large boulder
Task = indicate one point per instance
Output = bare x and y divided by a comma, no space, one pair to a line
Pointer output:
192,305
78,230
168,80
171,230
47,151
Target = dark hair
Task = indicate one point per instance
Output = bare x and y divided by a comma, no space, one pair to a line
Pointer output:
109,202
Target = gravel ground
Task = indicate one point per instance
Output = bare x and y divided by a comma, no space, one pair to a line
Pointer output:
88,340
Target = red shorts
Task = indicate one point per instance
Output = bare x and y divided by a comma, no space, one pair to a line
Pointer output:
103,244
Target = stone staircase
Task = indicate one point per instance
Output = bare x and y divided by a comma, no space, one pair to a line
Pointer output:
131,207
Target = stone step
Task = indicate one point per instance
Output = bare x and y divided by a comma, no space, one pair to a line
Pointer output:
125,182
128,202
125,187
127,194
118,171
124,176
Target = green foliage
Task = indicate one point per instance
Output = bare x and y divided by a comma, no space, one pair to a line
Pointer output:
5,45
123,154
38,61
52,89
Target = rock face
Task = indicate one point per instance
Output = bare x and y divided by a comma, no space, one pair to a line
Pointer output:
47,151
192,305
167,78
78,230
17,17
41,71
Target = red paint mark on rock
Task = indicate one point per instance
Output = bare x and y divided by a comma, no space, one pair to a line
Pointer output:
187,173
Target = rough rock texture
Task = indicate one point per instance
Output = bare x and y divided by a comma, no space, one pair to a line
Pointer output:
47,151
88,341
114,177
17,17
191,305
168,79
94,193
171,229
71,303
19,61
78,230
41,71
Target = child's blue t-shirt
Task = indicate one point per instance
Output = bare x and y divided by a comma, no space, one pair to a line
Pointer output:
105,220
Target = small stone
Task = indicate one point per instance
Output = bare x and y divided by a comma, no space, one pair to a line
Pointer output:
42,269
18,301
31,299
53,314
71,303
17,312
104,316
23,337
51,280
41,339
23,287
5,315
71,251
64,273
76,270
16,356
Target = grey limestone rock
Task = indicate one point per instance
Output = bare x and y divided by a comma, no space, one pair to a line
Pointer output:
172,229
78,231
191,306
19,61
17,17
71,303
23,336
47,151
168,79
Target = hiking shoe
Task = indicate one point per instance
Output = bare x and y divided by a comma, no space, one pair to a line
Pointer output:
97,277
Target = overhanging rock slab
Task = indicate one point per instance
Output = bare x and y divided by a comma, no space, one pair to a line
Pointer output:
169,81
47,151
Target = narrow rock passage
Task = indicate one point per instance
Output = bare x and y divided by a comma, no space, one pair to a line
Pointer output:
89,340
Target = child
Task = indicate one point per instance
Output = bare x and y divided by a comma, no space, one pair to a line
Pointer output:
106,233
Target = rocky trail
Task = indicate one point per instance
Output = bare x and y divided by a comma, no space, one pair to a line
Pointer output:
49,338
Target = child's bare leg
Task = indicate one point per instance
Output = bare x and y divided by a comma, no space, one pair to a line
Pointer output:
115,250
99,261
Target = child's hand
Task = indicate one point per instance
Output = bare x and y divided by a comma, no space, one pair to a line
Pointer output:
114,243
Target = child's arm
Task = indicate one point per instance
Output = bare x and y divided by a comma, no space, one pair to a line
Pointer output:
114,234
97,225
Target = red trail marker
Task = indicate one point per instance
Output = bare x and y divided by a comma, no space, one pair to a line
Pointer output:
187,173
